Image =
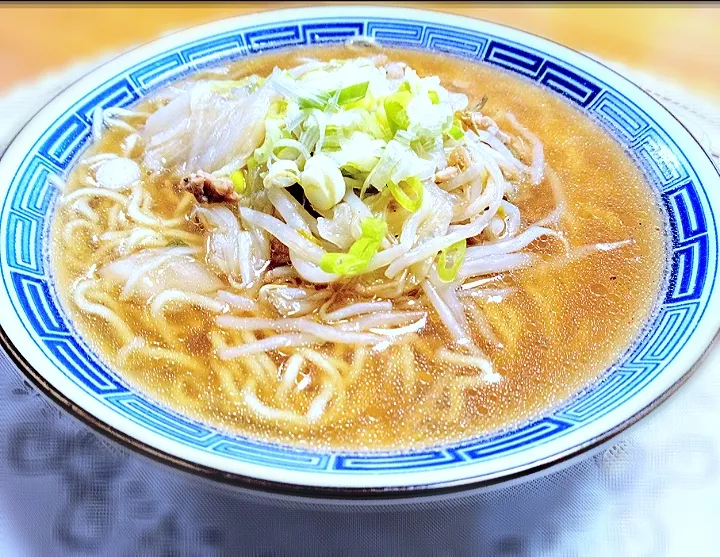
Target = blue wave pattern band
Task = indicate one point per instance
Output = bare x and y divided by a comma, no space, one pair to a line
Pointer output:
692,226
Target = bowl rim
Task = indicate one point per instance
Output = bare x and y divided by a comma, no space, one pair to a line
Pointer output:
332,492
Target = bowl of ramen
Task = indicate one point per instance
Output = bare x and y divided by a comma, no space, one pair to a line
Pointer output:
357,251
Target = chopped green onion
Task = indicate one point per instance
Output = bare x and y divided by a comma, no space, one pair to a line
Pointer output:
404,138
373,228
346,95
175,242
277,109
424,146
238,180
344,264
290,149
395,105
333,138
353,93
414,186
456,131
358,257
310,135
434,97
450,260
322,181
318,101
371,125
274,132
405,86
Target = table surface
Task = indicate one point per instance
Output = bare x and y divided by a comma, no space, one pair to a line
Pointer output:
677,42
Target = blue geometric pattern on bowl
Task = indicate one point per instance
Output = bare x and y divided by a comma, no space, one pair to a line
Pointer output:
693,230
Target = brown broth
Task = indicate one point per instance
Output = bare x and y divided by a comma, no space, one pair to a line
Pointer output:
560,331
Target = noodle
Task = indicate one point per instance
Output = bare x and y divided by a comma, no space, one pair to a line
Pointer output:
137,345
135,213
325,332
111,317
267,344
483,364
95,192
292,367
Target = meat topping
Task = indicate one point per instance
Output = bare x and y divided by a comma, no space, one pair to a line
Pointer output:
208,188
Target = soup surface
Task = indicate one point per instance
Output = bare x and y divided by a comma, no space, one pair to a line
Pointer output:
527,326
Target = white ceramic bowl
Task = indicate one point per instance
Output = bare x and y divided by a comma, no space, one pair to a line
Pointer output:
37,333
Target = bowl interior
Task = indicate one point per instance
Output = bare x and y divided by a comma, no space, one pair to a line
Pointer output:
37,331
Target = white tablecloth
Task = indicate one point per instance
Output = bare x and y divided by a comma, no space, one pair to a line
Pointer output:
64,490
